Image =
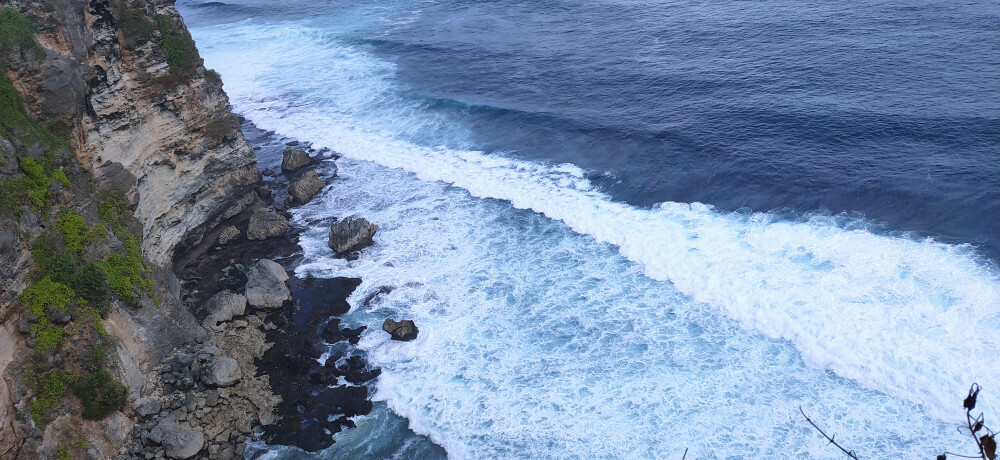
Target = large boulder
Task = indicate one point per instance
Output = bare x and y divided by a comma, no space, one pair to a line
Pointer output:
294,159
305,188
351,234
181,444
266,285
147,407
221,371
223,307
265,224
403,330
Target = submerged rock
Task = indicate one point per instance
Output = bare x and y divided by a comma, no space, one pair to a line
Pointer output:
306,188
403,330
294,159
266,224
228,234
266,285
351,234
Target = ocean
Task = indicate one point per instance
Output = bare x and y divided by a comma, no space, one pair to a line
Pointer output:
630,228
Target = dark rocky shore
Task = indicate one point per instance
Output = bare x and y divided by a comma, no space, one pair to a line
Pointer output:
316,401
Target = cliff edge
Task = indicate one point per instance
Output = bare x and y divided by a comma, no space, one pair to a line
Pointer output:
145,115
118,150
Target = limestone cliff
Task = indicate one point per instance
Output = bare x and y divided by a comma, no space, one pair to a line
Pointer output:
156,127
117,150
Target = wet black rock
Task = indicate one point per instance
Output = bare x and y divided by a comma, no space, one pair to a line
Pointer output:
403,330
353,336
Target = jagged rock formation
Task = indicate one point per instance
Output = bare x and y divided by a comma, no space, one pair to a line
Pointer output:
351,234
294,159
122,83
305,188
160,131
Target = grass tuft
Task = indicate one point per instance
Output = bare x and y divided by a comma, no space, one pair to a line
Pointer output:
17,31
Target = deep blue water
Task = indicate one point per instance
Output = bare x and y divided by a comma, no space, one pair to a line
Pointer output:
888,109
738,207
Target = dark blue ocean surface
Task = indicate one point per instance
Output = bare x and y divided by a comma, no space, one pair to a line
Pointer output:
630,228
888,109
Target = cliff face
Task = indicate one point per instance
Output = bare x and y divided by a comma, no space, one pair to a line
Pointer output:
146,117
122,152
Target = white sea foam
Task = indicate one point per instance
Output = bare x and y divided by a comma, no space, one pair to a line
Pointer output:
913,318
537,342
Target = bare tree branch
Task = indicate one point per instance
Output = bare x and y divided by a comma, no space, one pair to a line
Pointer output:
850,453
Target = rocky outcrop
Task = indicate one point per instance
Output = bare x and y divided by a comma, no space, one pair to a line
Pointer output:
161,132
293,159
223,307
265,224
211,399
404,330
306,188
351,234
266,288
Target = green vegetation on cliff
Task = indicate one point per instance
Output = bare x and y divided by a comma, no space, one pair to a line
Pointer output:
70,290
49,388
175,46
127,274
134,24
100,393
15,122
17,31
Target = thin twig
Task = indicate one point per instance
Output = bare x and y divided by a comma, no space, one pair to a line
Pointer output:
963,456
850,453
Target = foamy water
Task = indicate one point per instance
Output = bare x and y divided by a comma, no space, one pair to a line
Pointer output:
556,322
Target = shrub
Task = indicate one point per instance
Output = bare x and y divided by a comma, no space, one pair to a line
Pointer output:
134,24
74,230
49,388
126,274
47,294
176,47
111,209
91,283
100,394
85,278
164,24
176,50
60,176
